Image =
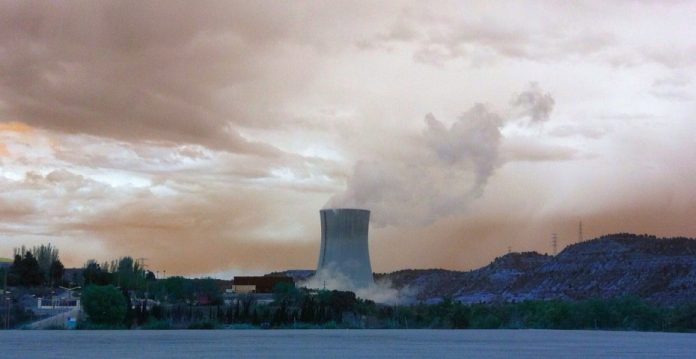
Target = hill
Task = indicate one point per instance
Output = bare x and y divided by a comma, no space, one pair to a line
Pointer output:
659,270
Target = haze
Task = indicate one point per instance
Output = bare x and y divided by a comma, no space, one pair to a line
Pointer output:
205,136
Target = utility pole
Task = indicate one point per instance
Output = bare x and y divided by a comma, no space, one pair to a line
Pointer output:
8,298
554,243
7,317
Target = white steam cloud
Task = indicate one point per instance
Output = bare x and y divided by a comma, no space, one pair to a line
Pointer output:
443,172
381,291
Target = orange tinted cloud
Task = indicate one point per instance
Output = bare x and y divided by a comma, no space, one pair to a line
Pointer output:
15,126
206,137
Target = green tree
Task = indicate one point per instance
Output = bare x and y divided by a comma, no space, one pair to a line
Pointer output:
45,255
56,272
25,270
684,317
174,289
130,313
94,274
307,314
104,304
207,287
125,275
460,316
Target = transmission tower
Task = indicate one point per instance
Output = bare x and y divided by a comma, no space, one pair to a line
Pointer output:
554,243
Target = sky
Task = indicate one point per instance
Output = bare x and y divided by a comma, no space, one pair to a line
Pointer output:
206,136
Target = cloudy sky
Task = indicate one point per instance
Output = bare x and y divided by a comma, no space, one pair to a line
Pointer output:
205,136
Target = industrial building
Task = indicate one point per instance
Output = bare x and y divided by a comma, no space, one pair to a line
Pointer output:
264,284
344,251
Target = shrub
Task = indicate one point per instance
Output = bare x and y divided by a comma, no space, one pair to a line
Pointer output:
104,304
202,325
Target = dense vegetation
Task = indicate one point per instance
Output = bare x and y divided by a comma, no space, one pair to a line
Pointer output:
131,277
123,294
302,308
104,304
35,267
627,313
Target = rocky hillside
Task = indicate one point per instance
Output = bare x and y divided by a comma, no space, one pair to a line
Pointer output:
660,270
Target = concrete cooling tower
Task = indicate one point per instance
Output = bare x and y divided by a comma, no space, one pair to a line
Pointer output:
344,252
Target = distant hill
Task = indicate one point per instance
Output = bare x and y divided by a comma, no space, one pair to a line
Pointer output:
659,270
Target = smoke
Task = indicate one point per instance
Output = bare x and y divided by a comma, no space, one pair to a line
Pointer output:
534,104
474,139
447,169
442,171
381,291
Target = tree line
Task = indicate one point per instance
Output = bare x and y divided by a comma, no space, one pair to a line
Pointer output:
124,272
38,266
110,287
303,308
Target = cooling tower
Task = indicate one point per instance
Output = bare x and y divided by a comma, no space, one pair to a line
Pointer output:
344,251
